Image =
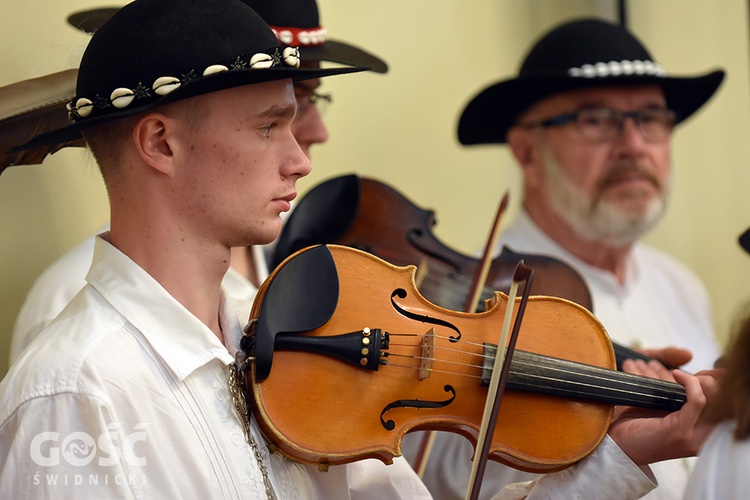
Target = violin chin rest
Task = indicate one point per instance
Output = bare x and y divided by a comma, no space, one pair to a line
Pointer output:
302,297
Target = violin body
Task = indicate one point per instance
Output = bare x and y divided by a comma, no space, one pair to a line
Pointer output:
318,408
371,216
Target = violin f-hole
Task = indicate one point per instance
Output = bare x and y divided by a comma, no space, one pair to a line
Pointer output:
415,403
401,294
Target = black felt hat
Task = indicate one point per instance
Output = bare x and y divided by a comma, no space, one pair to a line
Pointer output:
578,54
297,23
154,52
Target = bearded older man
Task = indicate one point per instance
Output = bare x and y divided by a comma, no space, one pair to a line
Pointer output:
595,154
589,119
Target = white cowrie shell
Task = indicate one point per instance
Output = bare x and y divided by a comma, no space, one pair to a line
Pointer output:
285,36
291,57
318,36
121,97
261,61
215,68
588,70
615,69
165,84
84,107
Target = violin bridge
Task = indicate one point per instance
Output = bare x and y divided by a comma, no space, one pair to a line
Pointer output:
428,354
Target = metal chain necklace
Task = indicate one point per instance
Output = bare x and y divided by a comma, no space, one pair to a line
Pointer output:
239,399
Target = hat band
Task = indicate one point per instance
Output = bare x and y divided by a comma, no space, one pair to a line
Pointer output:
122,97
297,37
617,68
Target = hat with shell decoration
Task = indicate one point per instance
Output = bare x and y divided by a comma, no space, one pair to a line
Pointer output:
578,54
297,23
154,52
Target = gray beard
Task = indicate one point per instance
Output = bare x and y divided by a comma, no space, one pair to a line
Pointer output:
598,221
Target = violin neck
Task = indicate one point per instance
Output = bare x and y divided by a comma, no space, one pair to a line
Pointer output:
558,377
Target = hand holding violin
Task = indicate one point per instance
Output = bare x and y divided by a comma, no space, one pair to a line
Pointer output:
670,357
649,436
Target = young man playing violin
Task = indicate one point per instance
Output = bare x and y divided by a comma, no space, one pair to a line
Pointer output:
590,126
131,391
59,283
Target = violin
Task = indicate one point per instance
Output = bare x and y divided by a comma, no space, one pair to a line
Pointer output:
371,216
347,340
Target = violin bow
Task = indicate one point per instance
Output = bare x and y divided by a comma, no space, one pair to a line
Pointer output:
499,379
475,294
483,269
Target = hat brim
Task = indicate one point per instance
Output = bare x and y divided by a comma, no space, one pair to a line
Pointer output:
343,53
90,20
61,137
331,51
489,116
31,107
744,240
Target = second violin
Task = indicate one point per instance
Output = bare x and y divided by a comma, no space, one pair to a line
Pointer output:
372,216
369,215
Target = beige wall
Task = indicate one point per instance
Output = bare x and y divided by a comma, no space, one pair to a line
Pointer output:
400,127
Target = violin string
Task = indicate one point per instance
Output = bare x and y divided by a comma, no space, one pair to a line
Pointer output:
448,349
558,370
560,367
630,384
443,337
421,358
432,370
582,392
439,359
564,367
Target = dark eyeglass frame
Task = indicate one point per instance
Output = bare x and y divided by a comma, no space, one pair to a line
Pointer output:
611,122
305,100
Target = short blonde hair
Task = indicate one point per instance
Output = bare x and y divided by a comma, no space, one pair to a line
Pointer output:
107,141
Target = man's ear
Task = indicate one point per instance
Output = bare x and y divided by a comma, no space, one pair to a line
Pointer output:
151,139
521,145
527,151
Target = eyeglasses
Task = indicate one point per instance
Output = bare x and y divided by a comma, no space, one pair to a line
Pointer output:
606,124
307,99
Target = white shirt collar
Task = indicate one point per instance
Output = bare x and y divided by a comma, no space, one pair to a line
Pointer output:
544,245
184,342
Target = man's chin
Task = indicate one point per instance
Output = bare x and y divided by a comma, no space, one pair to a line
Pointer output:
266,238
633,199
623,225
267,234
